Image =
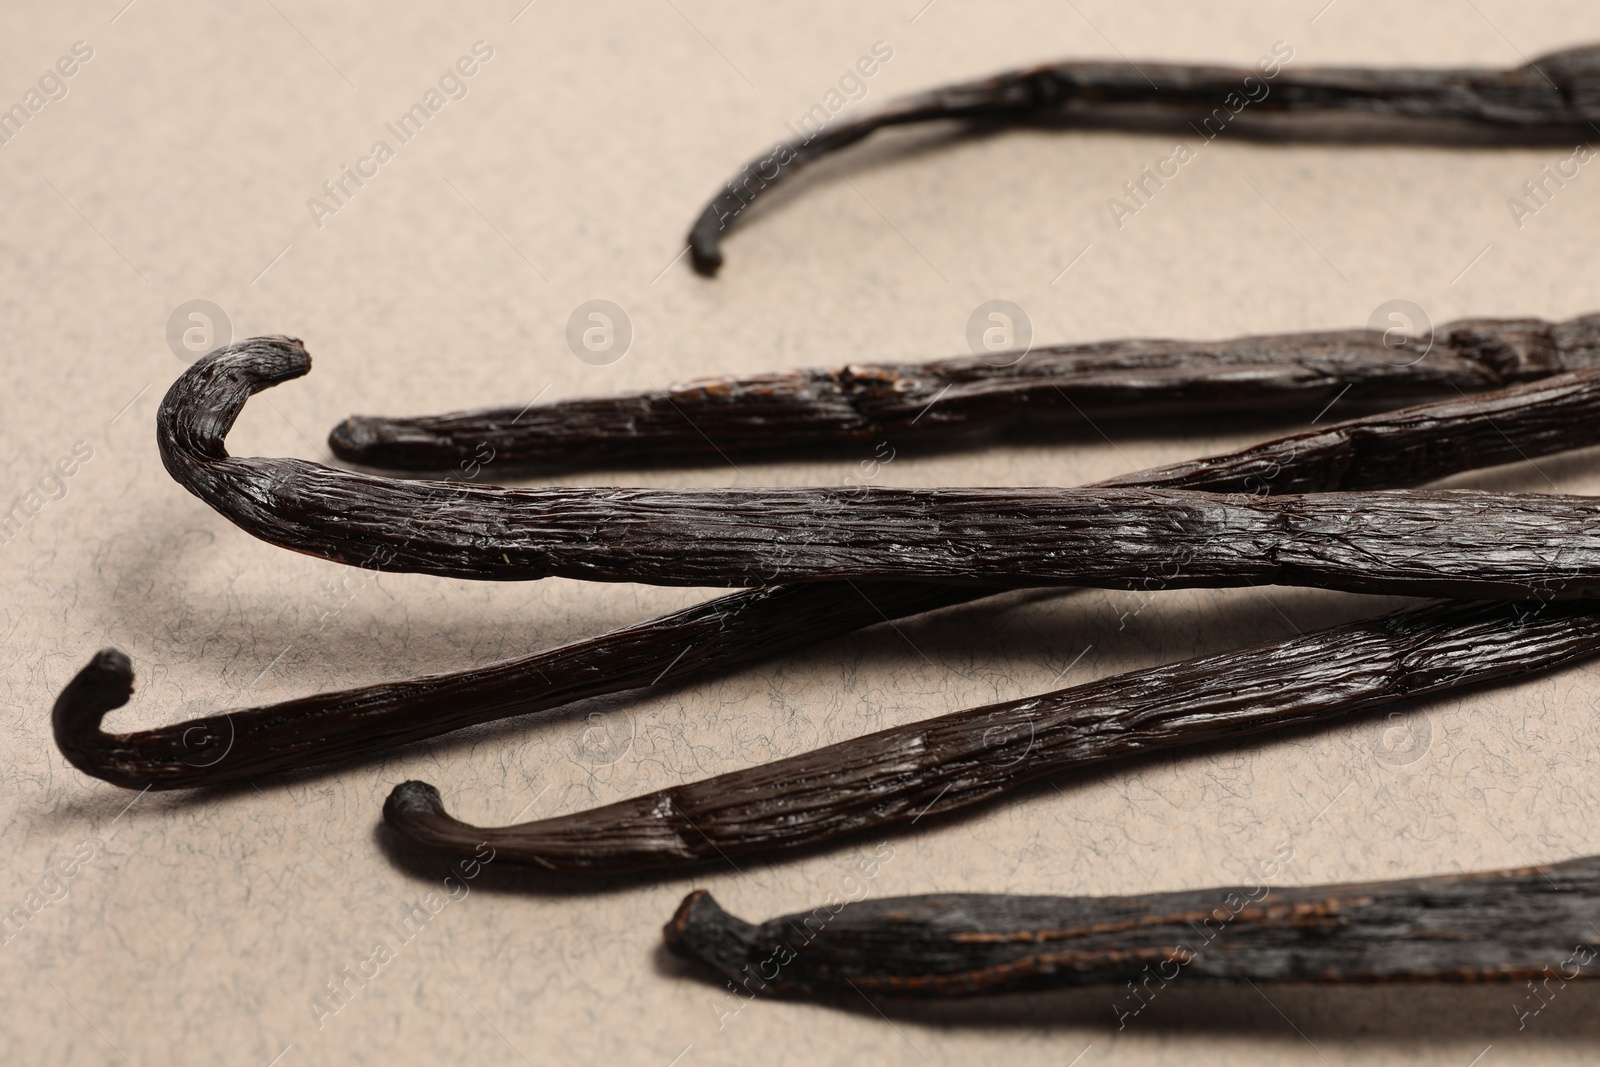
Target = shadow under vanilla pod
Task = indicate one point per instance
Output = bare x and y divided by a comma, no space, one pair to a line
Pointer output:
936,766
1403,447
737,417
1554,99
1446,543
1498,926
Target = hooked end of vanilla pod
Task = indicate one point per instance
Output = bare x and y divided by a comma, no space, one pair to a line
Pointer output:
270,358
101,687
701,930
705,241
412,798
201,405
259,362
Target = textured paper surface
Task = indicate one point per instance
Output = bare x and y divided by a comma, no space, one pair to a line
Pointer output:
178,166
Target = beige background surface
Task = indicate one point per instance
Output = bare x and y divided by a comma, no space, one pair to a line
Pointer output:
178,167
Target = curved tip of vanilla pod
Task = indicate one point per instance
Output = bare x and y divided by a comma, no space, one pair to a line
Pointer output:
703,931
201,405
705,240
100,688
412,798
629,837
416,811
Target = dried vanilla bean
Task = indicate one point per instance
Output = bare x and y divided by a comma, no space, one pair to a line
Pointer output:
1410,542
940,765
1491,926
1397,448
1553,100
717,419
1407,447
331,727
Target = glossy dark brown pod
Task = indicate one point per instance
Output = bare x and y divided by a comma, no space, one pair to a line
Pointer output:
1488,926
1397,448
1551,100
897,776
716,419
332,727
1411,542
1407,447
